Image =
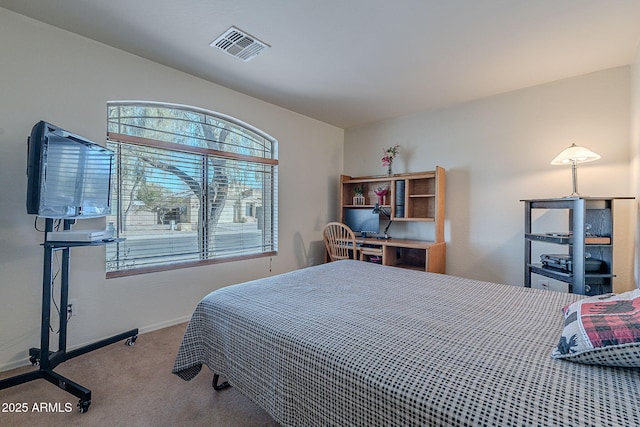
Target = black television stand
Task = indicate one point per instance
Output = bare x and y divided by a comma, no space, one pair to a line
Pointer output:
47,359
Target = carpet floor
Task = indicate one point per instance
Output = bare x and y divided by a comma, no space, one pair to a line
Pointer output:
130,386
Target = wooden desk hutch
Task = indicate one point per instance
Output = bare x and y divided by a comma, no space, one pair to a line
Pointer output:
411,197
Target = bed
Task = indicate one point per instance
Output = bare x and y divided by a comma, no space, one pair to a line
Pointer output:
355,343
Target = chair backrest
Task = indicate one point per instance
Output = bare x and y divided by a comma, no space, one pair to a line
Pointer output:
339,241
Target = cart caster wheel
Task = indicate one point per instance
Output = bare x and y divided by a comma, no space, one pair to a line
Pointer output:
131,341
34,361
83,406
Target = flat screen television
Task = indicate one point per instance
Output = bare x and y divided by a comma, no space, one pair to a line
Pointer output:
68,176
362,220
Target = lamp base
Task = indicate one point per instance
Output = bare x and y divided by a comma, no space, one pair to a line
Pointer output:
574,195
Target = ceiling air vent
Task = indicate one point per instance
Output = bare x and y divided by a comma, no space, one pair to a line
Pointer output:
239,44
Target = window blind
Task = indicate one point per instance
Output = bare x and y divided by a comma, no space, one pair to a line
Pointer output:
191,187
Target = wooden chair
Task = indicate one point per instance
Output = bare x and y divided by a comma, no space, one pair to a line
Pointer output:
339,241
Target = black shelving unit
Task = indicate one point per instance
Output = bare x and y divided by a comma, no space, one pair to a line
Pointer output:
44,356
589,234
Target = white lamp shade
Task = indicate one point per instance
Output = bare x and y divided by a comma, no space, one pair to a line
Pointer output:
575,154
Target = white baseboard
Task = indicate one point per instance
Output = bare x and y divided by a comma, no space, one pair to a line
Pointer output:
165,324
15,364
141,330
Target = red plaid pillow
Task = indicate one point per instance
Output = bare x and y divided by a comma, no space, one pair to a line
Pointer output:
602,330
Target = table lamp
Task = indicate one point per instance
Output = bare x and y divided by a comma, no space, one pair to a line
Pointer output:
574,155
377,209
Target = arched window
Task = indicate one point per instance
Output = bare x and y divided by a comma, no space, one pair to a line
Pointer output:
191,187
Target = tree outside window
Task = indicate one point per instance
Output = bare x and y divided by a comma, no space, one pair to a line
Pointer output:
192,187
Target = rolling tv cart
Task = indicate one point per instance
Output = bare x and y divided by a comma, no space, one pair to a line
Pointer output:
43,356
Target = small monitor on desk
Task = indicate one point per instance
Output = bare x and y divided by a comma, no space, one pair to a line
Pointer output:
362,221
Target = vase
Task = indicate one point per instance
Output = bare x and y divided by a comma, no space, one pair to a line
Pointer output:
389,170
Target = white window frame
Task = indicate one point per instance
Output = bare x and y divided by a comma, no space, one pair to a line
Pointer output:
177,143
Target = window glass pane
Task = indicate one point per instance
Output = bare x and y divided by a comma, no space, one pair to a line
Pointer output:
175,205
159,204
188,127
239,229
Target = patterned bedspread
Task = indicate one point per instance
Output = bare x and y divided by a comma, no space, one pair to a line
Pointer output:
354,343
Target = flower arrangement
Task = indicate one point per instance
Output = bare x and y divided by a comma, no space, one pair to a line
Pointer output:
388,156
381,192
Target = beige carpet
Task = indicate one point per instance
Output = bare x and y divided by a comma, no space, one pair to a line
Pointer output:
132,386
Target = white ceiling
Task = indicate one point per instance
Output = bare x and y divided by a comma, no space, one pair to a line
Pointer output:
351,62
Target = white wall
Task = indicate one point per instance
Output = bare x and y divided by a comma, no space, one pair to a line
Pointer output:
50,74
635,154
496,152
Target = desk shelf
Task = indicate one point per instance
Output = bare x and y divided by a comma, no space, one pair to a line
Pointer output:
417,255
411,197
